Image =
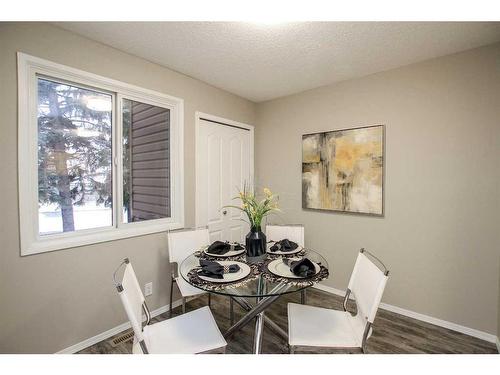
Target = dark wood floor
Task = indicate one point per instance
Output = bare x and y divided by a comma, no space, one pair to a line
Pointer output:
392,333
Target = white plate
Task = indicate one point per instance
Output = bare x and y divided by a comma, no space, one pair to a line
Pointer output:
230,253
243,272
279,268
297,250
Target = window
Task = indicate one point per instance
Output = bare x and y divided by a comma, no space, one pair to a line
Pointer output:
74,158
98,159
146,157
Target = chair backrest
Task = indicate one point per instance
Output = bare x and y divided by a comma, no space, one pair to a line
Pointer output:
183,243
132,299
367,284
294,233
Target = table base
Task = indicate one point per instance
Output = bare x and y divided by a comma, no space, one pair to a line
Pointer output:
257,312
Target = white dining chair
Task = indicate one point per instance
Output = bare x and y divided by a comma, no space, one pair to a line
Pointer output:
181,244
190,333
310,326
293,232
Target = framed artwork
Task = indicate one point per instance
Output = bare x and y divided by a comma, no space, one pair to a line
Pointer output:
343,170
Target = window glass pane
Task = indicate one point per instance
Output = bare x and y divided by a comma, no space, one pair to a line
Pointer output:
146,162
74,158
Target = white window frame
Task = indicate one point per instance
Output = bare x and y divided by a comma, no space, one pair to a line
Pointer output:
29,69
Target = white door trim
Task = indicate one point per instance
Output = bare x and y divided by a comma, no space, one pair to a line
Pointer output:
223,121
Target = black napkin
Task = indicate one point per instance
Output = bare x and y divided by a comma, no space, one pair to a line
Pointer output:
284,245
220,248
216,270
303,267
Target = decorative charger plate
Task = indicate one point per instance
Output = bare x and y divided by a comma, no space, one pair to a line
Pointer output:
279,268
230,253
243,272
295,251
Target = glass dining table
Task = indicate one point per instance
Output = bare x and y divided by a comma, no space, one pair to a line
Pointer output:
255,288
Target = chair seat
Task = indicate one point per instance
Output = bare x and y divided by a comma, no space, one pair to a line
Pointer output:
189,333
186,289
316,326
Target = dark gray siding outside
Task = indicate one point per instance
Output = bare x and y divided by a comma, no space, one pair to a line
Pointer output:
150,162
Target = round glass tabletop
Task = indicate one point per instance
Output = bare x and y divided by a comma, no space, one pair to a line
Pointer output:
268,278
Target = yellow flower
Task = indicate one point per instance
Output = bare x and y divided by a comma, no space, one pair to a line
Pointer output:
267,192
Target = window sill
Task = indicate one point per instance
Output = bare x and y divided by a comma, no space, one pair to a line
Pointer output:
95,236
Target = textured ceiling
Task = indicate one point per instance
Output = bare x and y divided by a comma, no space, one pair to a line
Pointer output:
265,61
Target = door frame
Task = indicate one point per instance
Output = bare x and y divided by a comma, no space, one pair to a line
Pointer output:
222,121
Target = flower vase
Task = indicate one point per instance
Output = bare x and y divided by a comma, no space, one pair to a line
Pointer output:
255,245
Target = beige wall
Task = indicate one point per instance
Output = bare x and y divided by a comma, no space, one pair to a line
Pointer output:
440,234
54,300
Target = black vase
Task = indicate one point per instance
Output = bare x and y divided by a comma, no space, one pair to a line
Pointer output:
255,245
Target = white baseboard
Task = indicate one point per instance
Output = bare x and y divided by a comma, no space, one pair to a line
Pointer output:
425,318
329,289
429,319
113,331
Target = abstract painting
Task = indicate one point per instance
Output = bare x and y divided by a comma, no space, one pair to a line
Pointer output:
343,170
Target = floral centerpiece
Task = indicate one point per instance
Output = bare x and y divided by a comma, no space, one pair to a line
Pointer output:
256,210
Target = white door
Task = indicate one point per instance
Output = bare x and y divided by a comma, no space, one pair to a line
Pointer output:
224,164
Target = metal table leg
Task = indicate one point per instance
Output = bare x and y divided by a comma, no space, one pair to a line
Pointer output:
259,321
257,312
259,328
268,321
261,306
231,311
276,328
303,296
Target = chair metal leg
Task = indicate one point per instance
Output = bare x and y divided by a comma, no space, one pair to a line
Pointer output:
368,328
303,296
183,305
171,297
231,310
